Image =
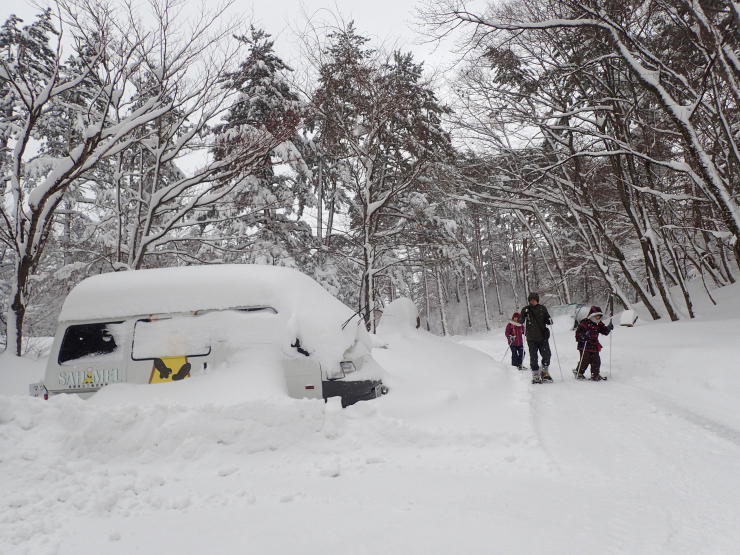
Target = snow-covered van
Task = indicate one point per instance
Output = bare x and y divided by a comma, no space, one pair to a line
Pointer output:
171,324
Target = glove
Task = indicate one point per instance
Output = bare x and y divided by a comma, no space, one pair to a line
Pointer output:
610,326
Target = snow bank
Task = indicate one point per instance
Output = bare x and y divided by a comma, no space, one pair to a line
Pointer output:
16,373
67,458
251,375
399,316
438,383
454,459
134,458
628,318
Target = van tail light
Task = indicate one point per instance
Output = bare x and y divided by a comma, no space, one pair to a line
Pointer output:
46,396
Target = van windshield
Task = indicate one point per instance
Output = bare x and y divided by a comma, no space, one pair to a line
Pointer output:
96,342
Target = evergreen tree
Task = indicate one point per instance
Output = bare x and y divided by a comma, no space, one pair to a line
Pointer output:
272,202
381,121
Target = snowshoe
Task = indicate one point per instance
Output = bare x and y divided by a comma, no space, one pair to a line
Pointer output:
575,373
580,376
598,378
536,377
545,376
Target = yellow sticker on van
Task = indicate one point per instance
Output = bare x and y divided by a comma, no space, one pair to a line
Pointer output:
169,369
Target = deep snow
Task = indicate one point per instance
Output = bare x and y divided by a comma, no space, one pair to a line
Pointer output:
464,455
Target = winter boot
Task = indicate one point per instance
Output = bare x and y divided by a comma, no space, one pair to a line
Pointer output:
545,374
580,376
520,367
536,376
597,378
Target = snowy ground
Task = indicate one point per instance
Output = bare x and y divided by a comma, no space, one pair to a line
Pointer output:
463,456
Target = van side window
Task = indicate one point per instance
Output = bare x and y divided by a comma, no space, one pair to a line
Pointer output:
90,341
170,337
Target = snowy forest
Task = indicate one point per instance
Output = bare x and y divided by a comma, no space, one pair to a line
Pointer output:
582,149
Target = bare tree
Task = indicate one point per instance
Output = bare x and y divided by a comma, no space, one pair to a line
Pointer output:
148,95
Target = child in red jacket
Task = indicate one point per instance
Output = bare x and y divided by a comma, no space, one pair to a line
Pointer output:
514,332
587,337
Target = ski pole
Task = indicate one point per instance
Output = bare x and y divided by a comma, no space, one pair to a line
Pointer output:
583,352
580,362
611,332
503,357
556,354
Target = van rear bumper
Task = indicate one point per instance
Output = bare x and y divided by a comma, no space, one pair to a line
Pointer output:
352,392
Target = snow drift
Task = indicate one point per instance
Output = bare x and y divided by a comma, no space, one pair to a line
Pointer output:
461,456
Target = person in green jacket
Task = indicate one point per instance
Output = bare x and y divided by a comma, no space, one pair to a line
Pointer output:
537,319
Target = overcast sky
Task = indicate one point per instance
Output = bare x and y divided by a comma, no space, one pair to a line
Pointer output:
382,20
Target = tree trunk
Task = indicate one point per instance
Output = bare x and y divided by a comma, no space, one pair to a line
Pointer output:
479,256
557,253
17,312
663,230
467,297
493,271
440,297
319,203
369,284
426,290
528,224
330,219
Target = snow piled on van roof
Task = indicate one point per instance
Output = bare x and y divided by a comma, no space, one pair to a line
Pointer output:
307,309
189,288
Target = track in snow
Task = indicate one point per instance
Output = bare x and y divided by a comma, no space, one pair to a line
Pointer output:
464,456
646,474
